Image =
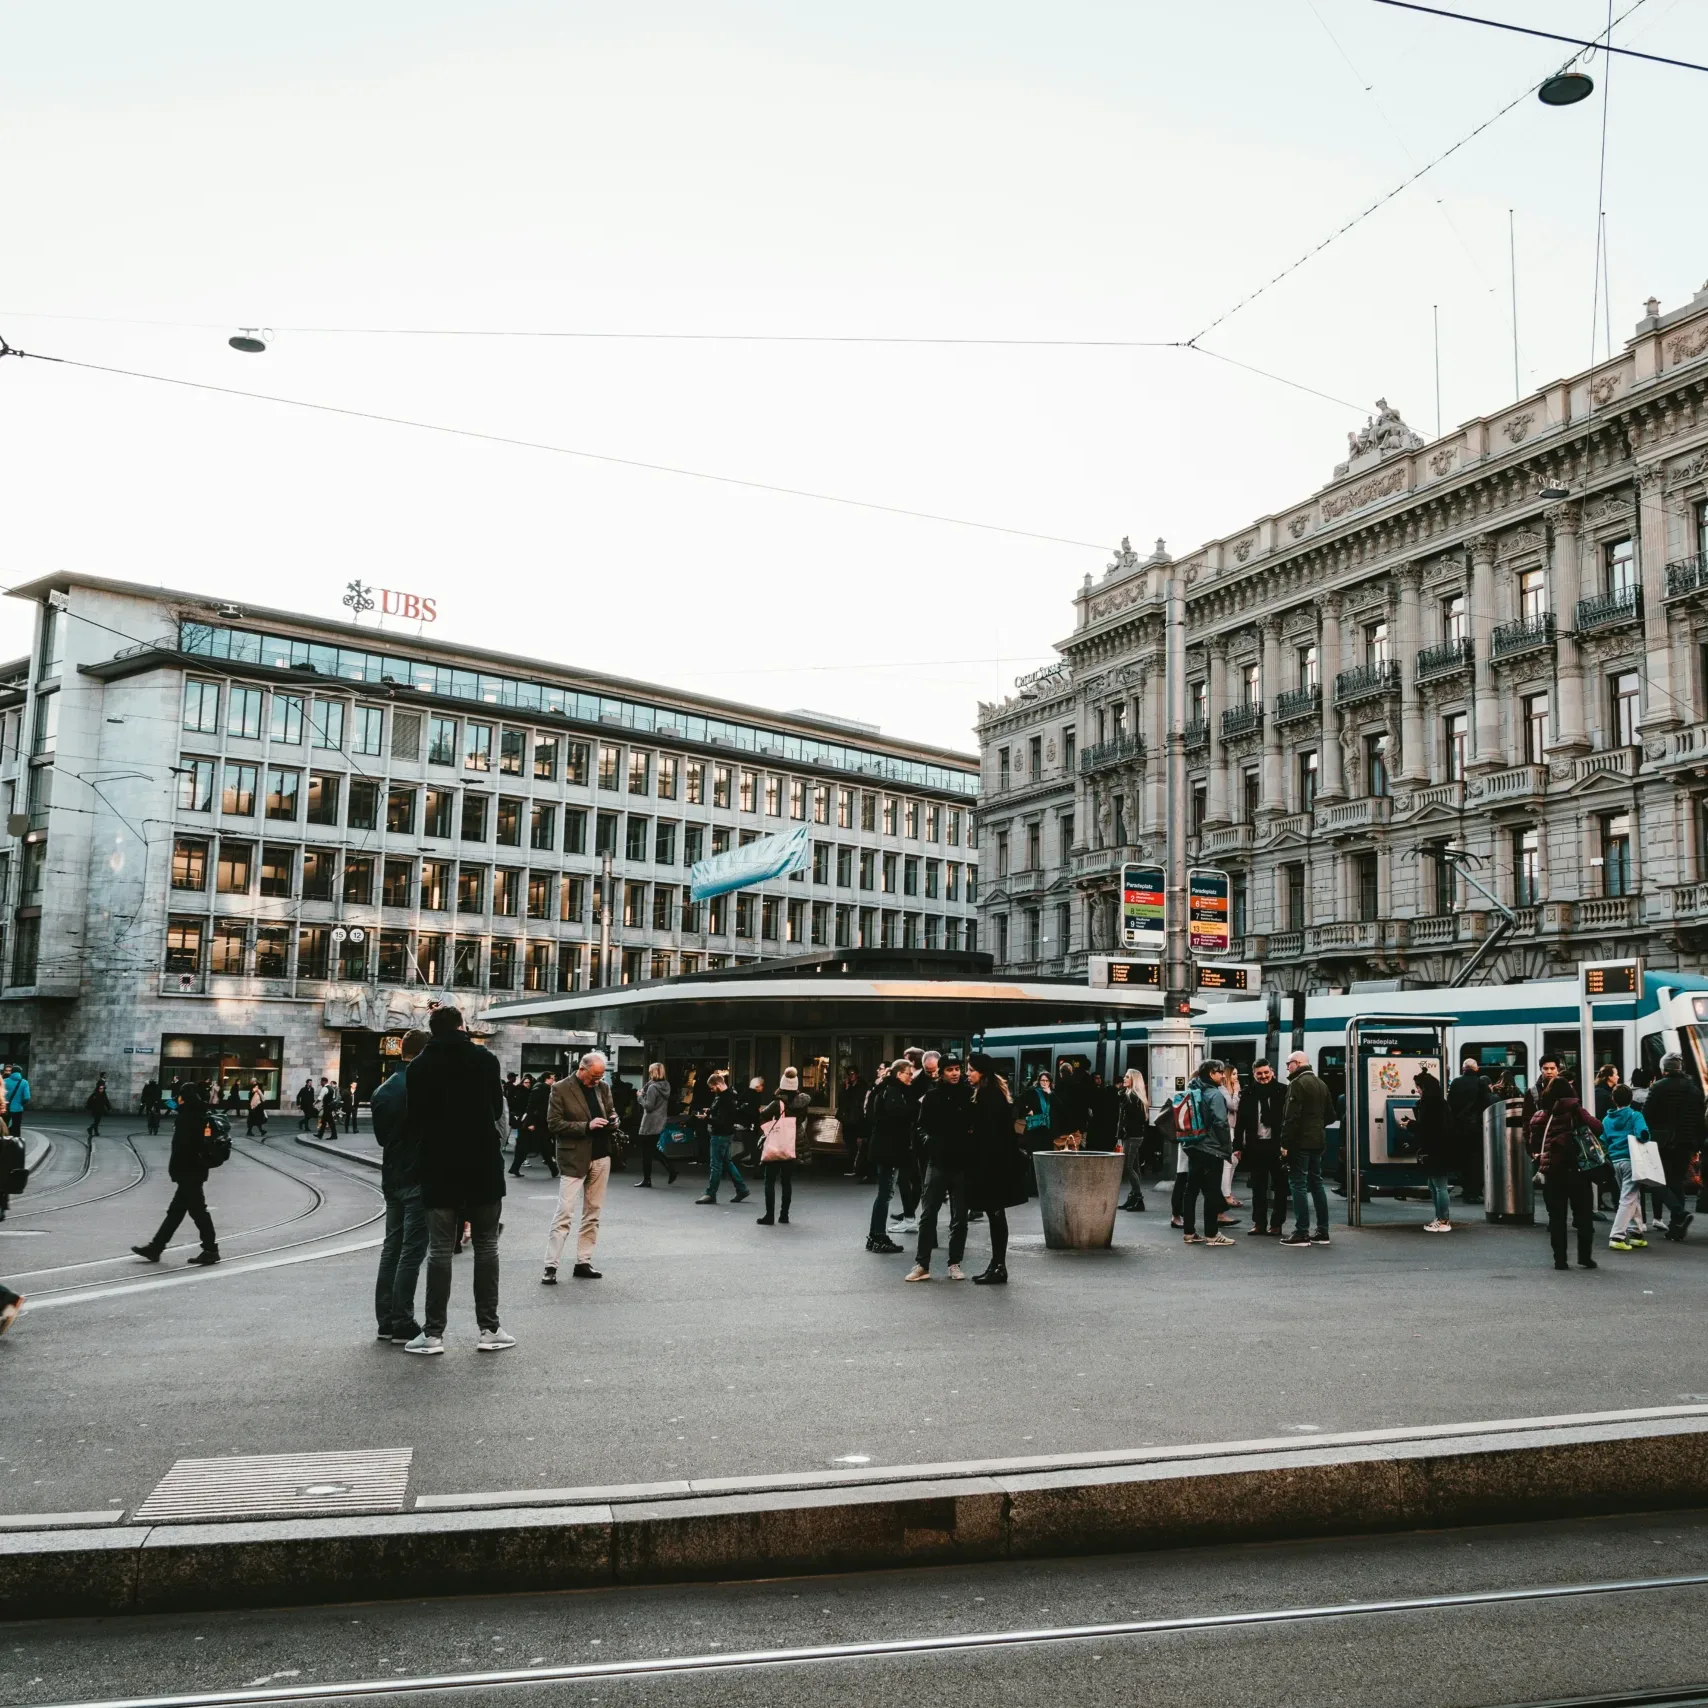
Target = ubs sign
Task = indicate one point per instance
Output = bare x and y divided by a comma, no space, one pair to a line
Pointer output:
393,602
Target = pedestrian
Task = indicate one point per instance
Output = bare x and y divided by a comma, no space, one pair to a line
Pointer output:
1432,1128
1231,1090
998,1163
724,1114
1070,1111
151,1101
329,1101
97,1103
1102,1128
10,1305
892,1115
910,1173
16,1086
1624,1125
654,1113
405,1242
1131,1126
1201,1123
851,1112
532,1135
12,1157
257,1112
1674,1114
516,1104
306,1103
187,1169
1467,1097
454,1106
1606,1078
1257,1130
352,1104
946,1122
779,1123
1035,1110
1304,1124
1566,1169
582,1118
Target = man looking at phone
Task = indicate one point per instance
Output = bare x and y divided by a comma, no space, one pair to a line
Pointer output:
581,1117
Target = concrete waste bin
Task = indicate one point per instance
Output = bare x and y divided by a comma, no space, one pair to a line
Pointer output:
1077,1193
1509,1190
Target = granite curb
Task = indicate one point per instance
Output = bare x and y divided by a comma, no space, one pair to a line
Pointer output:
1389,1480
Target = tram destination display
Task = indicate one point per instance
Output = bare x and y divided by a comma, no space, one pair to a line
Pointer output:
1142,918
1207,911
1610,978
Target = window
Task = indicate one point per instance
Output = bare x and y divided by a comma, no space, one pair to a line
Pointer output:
436,810
231,877
1376,764
574,830
844,816
868,811
359,879
1455,621
844,926
396,882
47,723
1000,947
506,892
512,751
887,881
1237,888
605,835
693,844
821,808
798,803
667,776
1251,686
1376,650
189,864
1624,691
572,899
1003,768
509,822
794,929
664,844
435,885
821,862
1619,565
933,823
1533,712
328,723
272,951
465,963
195,785
695,794
473,817
501,970
1035,846
663,906
1307,781
1526,867
282,786
542,825
575,763
243,713
201,707
184,945
368,733
1070,749
540,887
1252,796
1064,836
230,939
640,771
749,791
634,906
313,948
952,881
868,868
323,789
635,844
910,874
1616,854
972,889
1002,853
1532,596
319,871
744,916
286,725
933,879
844,868
400,812
1309,676
477,752
429,958
608,757
1446,883
1199,805
1455,745
1294,877
278,870
1197,703
891,815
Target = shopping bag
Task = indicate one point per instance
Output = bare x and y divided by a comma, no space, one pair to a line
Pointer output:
1646,1162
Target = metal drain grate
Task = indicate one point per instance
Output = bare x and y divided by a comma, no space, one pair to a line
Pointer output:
280,1485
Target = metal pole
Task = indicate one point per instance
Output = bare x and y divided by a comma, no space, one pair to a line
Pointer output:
1176,963
1512,263
605,936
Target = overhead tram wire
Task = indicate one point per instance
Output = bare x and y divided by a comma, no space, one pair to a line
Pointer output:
1599,45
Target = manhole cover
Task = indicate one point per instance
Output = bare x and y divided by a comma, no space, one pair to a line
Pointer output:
280,1485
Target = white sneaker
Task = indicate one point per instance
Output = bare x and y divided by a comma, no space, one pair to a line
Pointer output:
910,1225
955,1273
917,1273
494,1340
426,1344
1438,1227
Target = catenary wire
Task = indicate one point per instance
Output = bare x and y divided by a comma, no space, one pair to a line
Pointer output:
1600,45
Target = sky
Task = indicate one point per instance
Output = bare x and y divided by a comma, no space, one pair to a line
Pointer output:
935,169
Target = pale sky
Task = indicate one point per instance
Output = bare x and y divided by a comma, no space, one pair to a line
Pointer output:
952,170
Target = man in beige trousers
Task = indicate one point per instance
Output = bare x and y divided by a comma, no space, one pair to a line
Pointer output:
581,1118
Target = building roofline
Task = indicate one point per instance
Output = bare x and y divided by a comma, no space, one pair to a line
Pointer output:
375,640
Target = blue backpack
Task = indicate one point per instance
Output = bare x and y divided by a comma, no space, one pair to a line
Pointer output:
1189,1124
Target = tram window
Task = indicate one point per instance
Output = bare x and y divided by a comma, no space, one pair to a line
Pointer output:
1564,1048
1654,1049
1331,1069
1496,1056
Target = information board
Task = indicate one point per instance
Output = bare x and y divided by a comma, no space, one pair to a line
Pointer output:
1142,908
1611,978
1207,911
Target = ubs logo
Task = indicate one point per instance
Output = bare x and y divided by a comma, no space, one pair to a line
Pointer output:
393,602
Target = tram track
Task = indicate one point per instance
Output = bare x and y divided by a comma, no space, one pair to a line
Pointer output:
100,1197
683,1667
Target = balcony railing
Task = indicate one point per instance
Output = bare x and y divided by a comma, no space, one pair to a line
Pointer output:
1688,575
1367,681
1528,634
1448,659
1607,913
1228,839
1286,945
1298,703
1241,720
1198,733
1519,782
1610,610
1123,750
1360,814
1434,929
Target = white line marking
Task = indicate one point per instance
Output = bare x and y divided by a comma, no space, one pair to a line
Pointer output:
235,1266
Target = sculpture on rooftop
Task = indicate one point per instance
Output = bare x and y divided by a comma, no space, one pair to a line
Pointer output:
1383,435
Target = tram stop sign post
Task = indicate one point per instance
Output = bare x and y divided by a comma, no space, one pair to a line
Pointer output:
1142,910
1208,914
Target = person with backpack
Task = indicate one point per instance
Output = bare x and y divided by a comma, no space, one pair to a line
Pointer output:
98,1104
1432,1127
195,1152
13,1175
1201,1127
405,1246
1304,1126
1623,1124
1565,1140
1674,1113
17,1090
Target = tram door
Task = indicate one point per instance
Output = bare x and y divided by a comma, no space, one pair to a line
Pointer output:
1567,1048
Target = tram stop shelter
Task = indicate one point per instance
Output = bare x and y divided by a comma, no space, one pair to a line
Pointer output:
822,1014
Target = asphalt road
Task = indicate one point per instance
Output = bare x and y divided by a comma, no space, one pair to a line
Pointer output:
714,1346
1513,1652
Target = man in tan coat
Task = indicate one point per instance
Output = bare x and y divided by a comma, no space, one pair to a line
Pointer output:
581,1118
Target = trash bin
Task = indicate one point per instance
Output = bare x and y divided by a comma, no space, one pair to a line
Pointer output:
1509,1191
1077,1193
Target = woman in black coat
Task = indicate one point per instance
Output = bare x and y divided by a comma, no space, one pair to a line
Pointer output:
187,1168
1433,1128
997,1166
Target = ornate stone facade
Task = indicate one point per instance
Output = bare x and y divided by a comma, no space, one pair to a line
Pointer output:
1495,644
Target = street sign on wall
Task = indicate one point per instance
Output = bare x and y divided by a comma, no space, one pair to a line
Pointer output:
1142,909
1207,913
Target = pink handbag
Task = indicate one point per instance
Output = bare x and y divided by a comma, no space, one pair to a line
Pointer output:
779,1140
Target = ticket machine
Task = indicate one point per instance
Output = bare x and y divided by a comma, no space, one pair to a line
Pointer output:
1383,1054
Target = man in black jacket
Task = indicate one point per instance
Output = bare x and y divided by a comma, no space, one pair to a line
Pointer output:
187,1168
1674,1115
945,1131
1257,1137
405,1245
456,1116
1467,1097
893,1116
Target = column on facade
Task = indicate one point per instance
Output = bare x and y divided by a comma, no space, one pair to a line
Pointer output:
1565,589
1150,722
1487,722
1413,763
1274,781
1216,804
1662,689
1331,776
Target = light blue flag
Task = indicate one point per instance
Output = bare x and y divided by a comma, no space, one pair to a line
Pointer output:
757,863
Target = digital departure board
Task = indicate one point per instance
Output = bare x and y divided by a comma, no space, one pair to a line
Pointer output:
1136,973
1227,975
1224,978
1611,978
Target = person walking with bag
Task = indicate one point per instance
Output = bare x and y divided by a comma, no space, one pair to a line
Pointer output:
17,1089
997,1163
779,1122
654,1113
582,1118
1629,1150
1565,1140
257,1112
187,1169
1201,1122
723,1115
